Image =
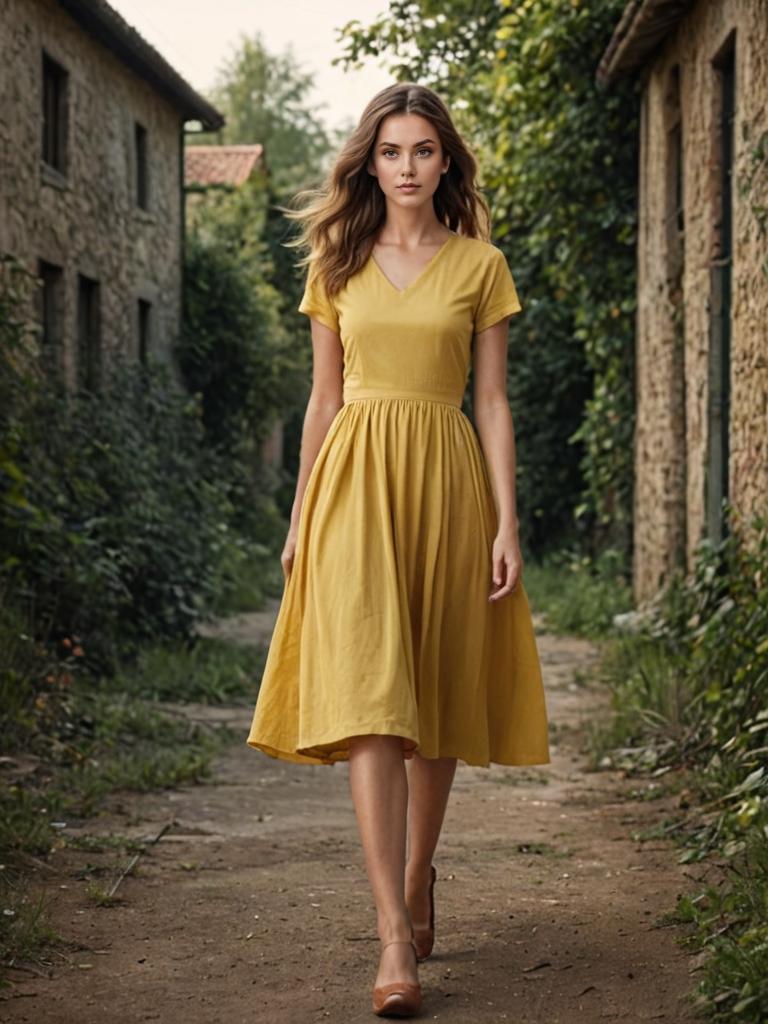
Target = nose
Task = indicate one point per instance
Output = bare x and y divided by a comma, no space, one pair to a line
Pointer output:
407,169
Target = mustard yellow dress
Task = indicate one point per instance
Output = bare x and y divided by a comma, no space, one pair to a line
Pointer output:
384,624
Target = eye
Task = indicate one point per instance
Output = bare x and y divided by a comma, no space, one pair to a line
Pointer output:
425,149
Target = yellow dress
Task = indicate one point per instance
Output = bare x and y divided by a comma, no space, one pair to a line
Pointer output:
384,624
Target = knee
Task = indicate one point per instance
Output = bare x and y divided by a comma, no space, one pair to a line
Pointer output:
375,742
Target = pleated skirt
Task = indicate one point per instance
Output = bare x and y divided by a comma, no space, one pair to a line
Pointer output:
384,624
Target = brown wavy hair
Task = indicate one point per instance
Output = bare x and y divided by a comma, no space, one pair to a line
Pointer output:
341,218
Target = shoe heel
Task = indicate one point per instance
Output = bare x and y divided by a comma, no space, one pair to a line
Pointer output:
398,998
424,938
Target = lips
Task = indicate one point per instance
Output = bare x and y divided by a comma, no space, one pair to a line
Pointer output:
408,188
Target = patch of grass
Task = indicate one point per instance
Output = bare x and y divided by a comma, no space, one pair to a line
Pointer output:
25,927
581,678
729,921
250,573
71,740
578,594
100,844
651,694
99,895
209,670
556,728
653,791
533,846
689,705
650,699
105,742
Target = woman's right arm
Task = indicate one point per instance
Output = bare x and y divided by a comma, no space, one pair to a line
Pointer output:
325,400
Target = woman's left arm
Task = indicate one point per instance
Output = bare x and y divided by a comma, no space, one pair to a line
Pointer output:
495,428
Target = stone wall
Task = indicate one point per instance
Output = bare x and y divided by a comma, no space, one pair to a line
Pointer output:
676,272
88,222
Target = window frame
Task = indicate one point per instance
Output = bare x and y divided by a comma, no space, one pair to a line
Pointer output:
55,114
141,192
89,348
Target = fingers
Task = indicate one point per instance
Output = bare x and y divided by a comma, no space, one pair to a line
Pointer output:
506,575
499,569
513,574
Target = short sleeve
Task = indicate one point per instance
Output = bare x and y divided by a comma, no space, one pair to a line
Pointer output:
316,303
498,295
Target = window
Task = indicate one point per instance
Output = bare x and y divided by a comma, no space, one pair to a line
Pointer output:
55,87
145,330
51,314
142,167
88,333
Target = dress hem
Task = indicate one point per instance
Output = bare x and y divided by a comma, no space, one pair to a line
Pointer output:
336,752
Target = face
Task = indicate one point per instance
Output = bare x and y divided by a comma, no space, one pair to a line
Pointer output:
408,150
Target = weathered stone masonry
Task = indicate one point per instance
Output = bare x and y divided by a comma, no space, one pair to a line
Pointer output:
87,221
682,50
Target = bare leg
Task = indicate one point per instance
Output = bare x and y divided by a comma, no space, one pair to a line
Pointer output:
429,783
379,788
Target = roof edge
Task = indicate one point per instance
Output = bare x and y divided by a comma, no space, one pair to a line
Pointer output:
111,29
211,166
642,28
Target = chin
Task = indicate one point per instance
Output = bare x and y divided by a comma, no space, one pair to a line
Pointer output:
419,192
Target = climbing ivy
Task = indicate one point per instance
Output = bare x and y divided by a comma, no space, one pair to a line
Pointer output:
753,182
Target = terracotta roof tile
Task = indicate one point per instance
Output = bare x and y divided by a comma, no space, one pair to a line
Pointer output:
220,165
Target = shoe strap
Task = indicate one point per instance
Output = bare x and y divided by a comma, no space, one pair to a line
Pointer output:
393,941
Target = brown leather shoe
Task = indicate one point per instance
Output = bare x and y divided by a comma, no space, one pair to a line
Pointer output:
398,998
424,938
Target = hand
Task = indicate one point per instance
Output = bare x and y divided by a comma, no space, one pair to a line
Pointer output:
289,549
507,565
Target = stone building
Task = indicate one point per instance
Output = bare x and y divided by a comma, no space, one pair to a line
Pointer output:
92,123
702,260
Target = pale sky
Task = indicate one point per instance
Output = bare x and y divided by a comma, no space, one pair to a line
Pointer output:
195,37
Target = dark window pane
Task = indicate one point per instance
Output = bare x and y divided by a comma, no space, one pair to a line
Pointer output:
55,80
145,329
88,333
51,315
142,170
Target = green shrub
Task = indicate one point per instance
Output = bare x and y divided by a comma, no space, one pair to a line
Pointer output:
690,692
119,520
578,593
130,517
558,158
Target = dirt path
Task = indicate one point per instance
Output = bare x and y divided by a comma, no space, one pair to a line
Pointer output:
254,906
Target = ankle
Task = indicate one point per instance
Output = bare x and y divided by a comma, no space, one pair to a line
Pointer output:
395,928
419,869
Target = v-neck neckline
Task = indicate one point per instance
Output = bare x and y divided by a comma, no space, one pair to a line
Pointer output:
430,263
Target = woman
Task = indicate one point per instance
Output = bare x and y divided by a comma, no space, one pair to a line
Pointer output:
404,632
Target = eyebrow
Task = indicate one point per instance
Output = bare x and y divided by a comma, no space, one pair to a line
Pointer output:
394,145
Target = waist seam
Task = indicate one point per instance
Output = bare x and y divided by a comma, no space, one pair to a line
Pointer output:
390,397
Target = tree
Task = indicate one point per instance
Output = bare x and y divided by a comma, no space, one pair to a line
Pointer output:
264,98
558,160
